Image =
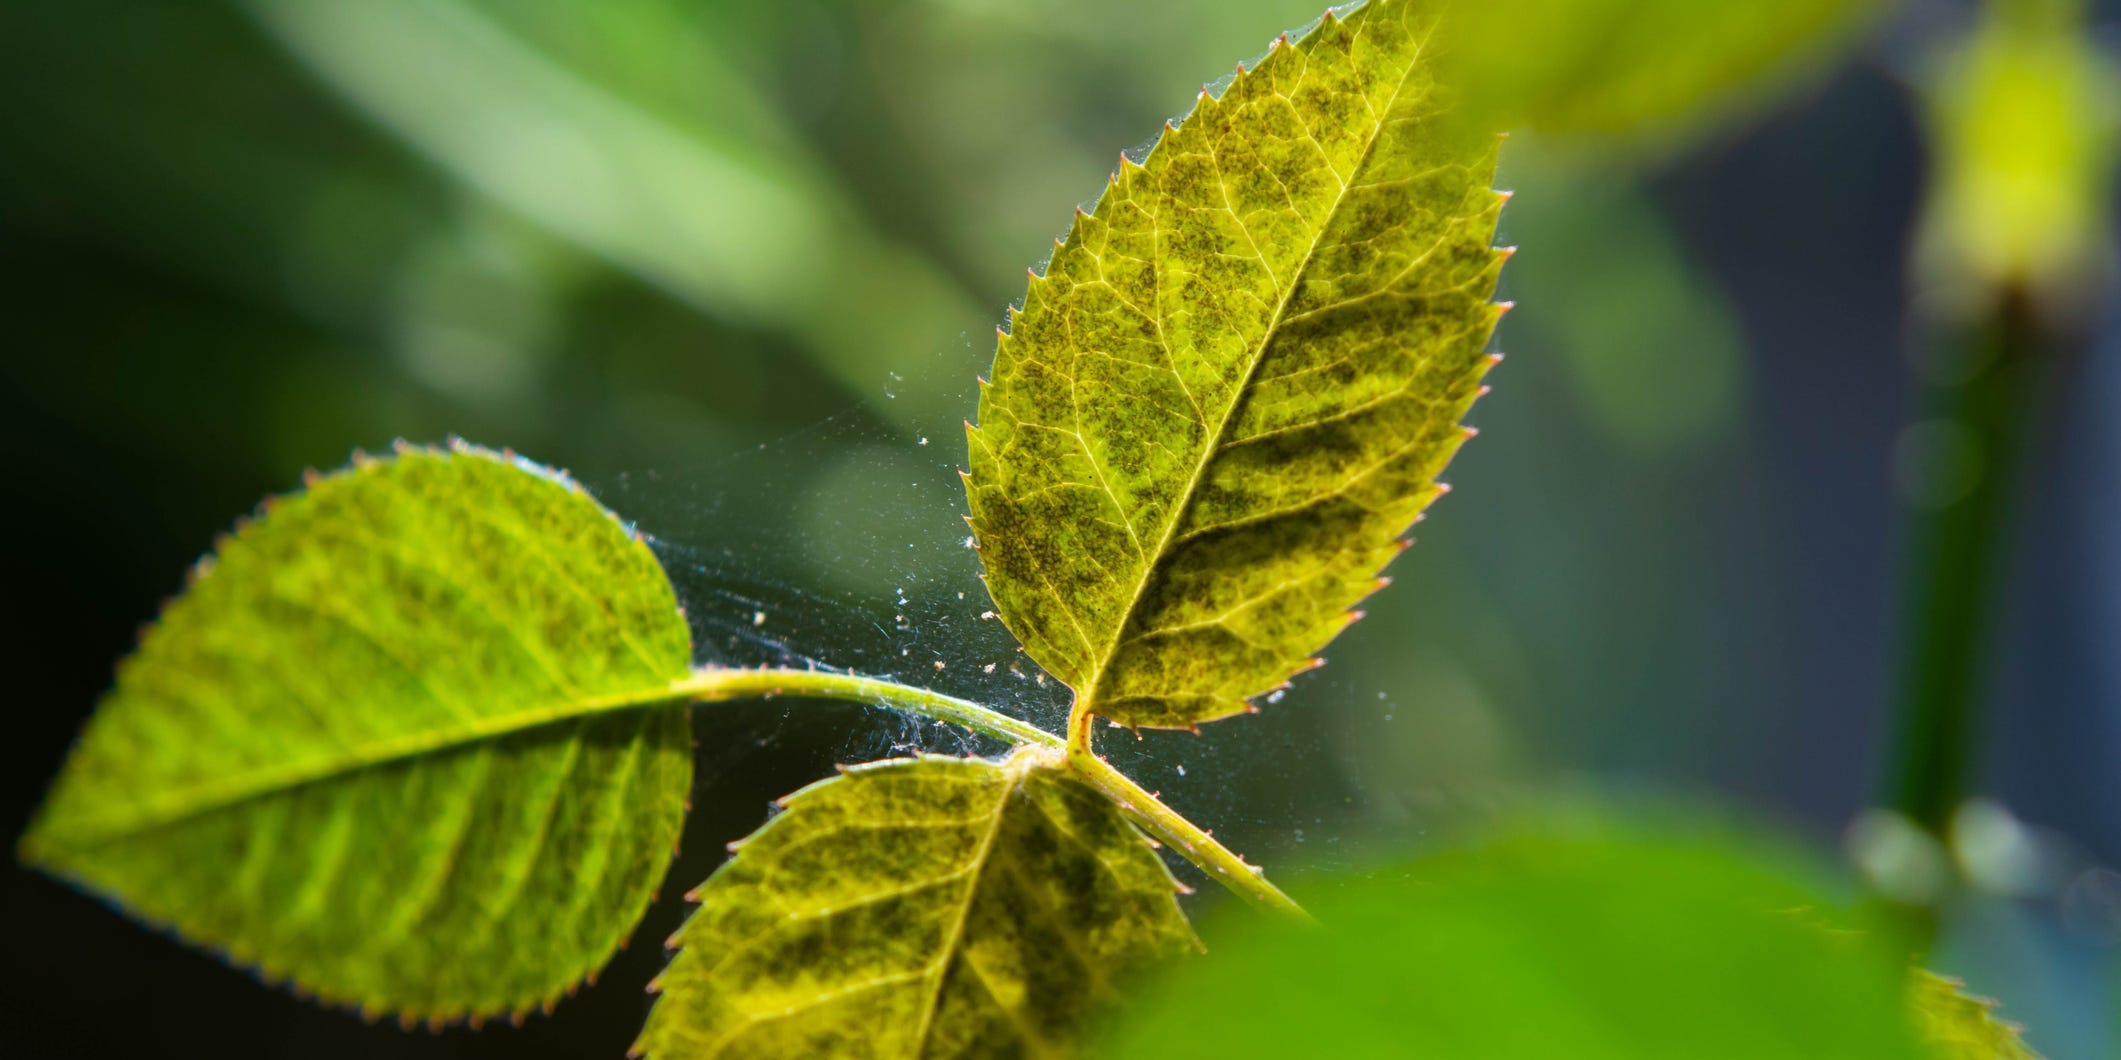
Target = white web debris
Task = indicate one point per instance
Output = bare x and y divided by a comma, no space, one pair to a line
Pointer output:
836,547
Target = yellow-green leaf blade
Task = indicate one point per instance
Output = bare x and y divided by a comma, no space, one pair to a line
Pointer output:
378,747
919,907
1234,385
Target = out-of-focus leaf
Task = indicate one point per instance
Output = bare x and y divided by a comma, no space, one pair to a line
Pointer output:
1959,1027
1234,385
382,746
1656,357
2023,119
922,907
1572,939
1634,72
743,226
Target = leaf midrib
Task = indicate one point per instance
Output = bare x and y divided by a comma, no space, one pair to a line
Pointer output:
1089,700
84,831
981,860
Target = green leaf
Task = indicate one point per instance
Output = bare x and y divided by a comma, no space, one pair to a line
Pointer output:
1578,939
378,747
1958,1027
919,907
1233,387
1635,72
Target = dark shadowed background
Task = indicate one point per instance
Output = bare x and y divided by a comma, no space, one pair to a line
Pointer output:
736,266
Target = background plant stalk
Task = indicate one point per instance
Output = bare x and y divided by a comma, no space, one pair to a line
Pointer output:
1957,540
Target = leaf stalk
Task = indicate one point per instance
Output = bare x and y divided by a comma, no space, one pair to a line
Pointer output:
1173,829
714,684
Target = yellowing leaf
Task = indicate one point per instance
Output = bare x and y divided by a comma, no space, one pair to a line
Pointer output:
377,747
1233,387
920,907
1958,1027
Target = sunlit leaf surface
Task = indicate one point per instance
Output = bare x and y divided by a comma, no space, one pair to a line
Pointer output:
1232,388
926,907
379,747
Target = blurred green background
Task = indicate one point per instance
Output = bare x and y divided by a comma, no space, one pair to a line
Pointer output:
736,266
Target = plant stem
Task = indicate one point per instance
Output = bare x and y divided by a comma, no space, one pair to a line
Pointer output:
711,684
1183,835
1954,547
